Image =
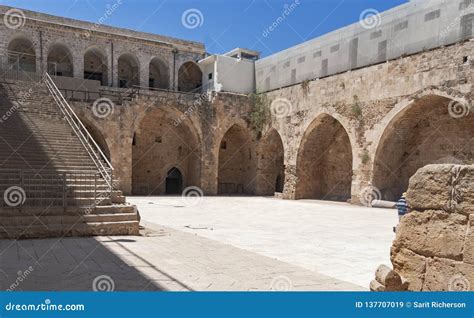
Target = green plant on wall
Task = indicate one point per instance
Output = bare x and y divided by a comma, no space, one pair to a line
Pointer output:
305,87
260,114
365,157
356,109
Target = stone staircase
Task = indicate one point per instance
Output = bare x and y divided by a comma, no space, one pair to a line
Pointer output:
49,183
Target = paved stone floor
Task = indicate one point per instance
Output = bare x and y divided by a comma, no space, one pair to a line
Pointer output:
336,239
213,244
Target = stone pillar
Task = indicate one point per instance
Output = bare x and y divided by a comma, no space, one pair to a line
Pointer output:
78,64
144,72
290,182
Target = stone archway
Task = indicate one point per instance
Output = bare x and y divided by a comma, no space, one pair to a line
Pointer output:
270,168
174,181
158,74
428,130
324,162
189,77
60,61
161,145
128,71
237,162
21,54
95,66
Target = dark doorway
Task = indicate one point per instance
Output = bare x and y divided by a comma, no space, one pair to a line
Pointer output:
279,184
174,181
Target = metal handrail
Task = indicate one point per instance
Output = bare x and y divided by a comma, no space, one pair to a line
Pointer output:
82,133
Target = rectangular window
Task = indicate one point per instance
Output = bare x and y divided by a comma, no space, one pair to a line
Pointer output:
293,76
209,76
301,59
317,54
376,34
432,15
287,64
335,48
382,52
324,68
401,26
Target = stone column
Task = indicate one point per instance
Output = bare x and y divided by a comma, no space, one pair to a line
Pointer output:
290,182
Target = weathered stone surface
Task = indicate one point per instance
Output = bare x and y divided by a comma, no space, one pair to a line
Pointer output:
410,266
469,245
464,190
430,188
433,233
448,275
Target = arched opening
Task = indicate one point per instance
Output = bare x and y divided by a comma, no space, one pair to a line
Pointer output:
21,55
174,181
160,144
98,138
95,66
189,77
324,163
128,71
237,162
158,74
60,61
422,133
270,168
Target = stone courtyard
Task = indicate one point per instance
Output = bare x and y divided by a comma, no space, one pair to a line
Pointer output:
224,243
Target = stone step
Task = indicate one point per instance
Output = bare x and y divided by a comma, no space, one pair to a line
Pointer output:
65,219
80,229
70,210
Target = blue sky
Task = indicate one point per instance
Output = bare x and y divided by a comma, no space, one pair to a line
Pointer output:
225,24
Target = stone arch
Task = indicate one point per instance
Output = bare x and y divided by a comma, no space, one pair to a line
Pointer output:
423,130
237,162
128,70
95,65
22,54
60,60
324,161
158,74
160,144
270,166
189,77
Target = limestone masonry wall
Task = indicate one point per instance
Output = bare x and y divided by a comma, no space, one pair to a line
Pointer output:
434,246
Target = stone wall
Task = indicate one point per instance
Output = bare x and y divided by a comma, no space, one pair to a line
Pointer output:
364,131
434,246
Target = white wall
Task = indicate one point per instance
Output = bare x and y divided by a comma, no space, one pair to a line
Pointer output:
235,75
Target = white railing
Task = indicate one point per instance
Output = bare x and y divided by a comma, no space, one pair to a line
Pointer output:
100,160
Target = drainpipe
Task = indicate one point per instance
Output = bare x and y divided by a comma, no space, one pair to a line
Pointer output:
41,51
112,80
175,52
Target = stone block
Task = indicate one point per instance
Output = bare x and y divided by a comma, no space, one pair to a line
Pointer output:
464,190
433,233
468,251
448,275
410,266
430,188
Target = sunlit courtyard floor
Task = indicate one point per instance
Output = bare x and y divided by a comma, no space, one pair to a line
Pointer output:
336,239
215,243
